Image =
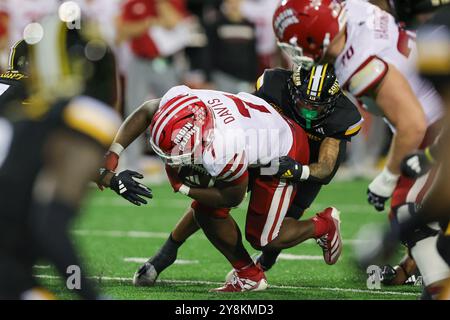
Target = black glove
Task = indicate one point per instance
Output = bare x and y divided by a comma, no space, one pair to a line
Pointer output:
376,200
125,186
290,169
417,164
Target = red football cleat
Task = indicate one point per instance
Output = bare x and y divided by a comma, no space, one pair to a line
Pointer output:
236,283
331,242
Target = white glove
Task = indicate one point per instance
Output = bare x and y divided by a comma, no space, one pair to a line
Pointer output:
381,188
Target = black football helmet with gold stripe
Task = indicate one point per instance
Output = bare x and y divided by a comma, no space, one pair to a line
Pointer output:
19,60
313,94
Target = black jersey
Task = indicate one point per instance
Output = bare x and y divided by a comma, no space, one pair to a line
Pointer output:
343,123
12,90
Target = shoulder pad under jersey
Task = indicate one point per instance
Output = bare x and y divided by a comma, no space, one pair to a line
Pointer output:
368,75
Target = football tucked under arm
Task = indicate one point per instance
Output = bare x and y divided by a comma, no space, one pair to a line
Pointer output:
195,177
226,190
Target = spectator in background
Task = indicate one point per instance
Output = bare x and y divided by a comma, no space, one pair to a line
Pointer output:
155,30
232,49
104,14
15,15
260,13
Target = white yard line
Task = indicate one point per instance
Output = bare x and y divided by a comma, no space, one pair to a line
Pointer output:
165,235
128,234
213,283
288,256
182,203
122,234
143,260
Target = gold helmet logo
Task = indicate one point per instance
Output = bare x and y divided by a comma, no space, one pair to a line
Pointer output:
334,88
296,78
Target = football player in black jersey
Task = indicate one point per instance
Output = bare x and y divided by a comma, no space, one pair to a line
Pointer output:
314,100
54,146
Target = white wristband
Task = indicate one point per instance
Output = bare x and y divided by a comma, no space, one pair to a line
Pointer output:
305,173
384,184
184,189
389,176
116,148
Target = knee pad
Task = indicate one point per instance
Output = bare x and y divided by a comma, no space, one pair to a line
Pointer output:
431,265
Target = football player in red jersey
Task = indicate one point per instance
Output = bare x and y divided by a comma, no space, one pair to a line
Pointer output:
330,120
374,59
209,131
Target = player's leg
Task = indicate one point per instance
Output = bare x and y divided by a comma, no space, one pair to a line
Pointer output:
399,274
71,161
223,232
421,242
17,251
306,193
268,229
16,261
443,246
148,273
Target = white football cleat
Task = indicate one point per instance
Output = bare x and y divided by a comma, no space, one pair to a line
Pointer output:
146,276
257,282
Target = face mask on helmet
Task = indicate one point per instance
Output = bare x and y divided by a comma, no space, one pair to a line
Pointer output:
306,28
313,94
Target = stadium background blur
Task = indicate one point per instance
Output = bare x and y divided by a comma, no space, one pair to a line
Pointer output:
216,44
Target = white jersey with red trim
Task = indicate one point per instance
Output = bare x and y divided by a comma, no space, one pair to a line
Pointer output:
248,132
373,41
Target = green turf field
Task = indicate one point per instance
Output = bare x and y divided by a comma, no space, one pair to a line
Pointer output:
114,236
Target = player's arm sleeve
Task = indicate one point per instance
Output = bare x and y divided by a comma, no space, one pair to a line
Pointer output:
93,119
367,76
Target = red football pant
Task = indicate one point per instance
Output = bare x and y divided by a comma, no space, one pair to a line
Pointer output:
270,198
